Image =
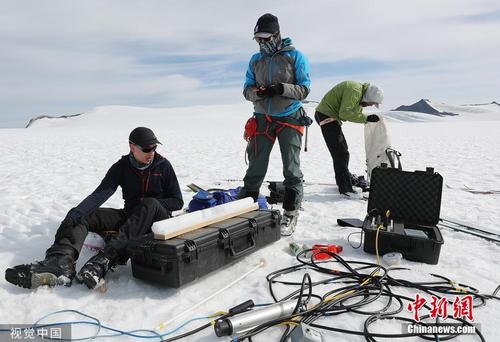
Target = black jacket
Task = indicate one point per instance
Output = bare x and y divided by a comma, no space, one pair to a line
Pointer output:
157,181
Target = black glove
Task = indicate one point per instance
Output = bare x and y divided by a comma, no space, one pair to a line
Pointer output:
275,89
272,90
65,230
305,120
372,118
261,91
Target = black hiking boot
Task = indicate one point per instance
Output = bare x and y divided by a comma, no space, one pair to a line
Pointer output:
347,191
360,182
93,272
56,269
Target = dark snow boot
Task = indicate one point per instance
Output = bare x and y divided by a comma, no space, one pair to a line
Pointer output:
93,272
360,182
56,269
276,192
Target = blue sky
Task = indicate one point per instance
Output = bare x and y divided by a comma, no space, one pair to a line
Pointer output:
60,57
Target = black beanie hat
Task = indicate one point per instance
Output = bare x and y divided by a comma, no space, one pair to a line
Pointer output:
143,136
267,23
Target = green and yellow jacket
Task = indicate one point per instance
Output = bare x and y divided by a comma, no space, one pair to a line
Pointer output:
342,102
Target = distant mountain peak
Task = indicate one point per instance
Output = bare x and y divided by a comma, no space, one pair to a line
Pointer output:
32,121
423,106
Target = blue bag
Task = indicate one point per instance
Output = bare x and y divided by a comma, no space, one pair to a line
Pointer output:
207,199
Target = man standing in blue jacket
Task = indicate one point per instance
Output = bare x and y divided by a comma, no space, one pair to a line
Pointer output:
150,191
277,80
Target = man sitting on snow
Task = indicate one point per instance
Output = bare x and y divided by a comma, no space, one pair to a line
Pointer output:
151,192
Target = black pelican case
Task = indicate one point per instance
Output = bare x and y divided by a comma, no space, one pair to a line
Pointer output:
414,201
182,259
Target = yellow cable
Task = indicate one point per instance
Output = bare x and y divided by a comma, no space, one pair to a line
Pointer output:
340,295
374,273
218,313
387,215
289,323
376,243
366,281
458,288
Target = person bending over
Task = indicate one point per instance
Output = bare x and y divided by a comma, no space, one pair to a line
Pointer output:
345,102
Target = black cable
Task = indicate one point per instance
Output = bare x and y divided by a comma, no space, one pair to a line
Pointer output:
301,293
300,302
363,283
189,333
286,334
194,331
365,221
496,291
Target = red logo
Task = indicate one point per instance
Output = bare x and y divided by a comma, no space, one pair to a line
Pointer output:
416,306
462,307
439,307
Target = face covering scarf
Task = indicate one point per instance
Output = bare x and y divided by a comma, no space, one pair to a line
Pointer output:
271,46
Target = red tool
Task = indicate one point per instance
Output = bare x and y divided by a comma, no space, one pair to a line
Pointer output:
318,249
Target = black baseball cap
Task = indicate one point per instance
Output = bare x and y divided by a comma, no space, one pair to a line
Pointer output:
266,26
143,136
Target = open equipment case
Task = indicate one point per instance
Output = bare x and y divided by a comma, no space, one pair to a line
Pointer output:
405,207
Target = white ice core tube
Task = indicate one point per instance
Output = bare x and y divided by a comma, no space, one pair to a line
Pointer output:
181,224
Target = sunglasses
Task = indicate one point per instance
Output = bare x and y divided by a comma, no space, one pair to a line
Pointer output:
147,149
262,40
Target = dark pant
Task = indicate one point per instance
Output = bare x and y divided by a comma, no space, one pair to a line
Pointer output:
123,225
259,150
337,145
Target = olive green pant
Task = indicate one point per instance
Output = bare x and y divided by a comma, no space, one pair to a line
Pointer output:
259,149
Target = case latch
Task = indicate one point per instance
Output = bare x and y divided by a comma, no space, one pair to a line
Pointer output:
253,225
190,250
276,218
224,238
147,250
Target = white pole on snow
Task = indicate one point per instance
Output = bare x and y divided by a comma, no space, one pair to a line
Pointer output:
162,325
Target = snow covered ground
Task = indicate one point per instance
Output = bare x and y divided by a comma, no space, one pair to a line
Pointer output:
51,166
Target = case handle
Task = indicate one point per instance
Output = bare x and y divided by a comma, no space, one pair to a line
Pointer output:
244,250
